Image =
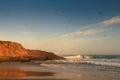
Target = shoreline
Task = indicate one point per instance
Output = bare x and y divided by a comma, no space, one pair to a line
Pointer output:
32,71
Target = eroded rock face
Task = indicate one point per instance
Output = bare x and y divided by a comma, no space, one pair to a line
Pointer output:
11,49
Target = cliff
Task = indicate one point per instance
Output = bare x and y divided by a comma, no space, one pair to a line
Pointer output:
11,49
14,51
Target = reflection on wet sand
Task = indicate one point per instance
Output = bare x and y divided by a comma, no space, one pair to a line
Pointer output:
6,72
15,73
34,79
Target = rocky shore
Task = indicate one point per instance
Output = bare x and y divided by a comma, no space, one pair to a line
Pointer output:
12,51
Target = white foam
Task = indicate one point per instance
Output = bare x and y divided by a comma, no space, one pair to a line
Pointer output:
102,63
76,58
90,60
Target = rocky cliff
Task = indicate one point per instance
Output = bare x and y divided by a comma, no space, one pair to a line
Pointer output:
11,49
14,51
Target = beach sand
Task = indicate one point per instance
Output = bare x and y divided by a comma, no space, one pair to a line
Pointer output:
28,71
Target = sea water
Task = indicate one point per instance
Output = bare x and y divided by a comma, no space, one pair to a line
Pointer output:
103,60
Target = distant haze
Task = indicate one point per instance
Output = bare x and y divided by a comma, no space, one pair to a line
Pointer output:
62,26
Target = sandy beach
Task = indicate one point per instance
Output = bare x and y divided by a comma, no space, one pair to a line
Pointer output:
28,71
25,71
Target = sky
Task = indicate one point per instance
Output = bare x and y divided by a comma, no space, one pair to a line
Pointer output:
65,27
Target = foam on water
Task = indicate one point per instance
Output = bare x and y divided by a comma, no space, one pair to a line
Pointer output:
97,60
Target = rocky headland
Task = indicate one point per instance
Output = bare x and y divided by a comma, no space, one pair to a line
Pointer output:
12,51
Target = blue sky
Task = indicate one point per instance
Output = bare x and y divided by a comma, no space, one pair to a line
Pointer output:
62,26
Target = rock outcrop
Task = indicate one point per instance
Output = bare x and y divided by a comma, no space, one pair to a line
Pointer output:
11,49
14,51
43,55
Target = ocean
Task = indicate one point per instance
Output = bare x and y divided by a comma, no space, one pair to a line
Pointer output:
108,60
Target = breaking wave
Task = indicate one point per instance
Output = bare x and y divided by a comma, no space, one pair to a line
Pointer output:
109,60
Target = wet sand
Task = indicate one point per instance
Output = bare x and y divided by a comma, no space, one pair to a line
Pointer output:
18,71
28,71
9,72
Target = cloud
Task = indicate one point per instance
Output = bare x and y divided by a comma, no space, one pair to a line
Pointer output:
86,40
113,20
91,30
82,33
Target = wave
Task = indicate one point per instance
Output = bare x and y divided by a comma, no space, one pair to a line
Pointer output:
81,59
110,60
77,57
107,63
93,56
